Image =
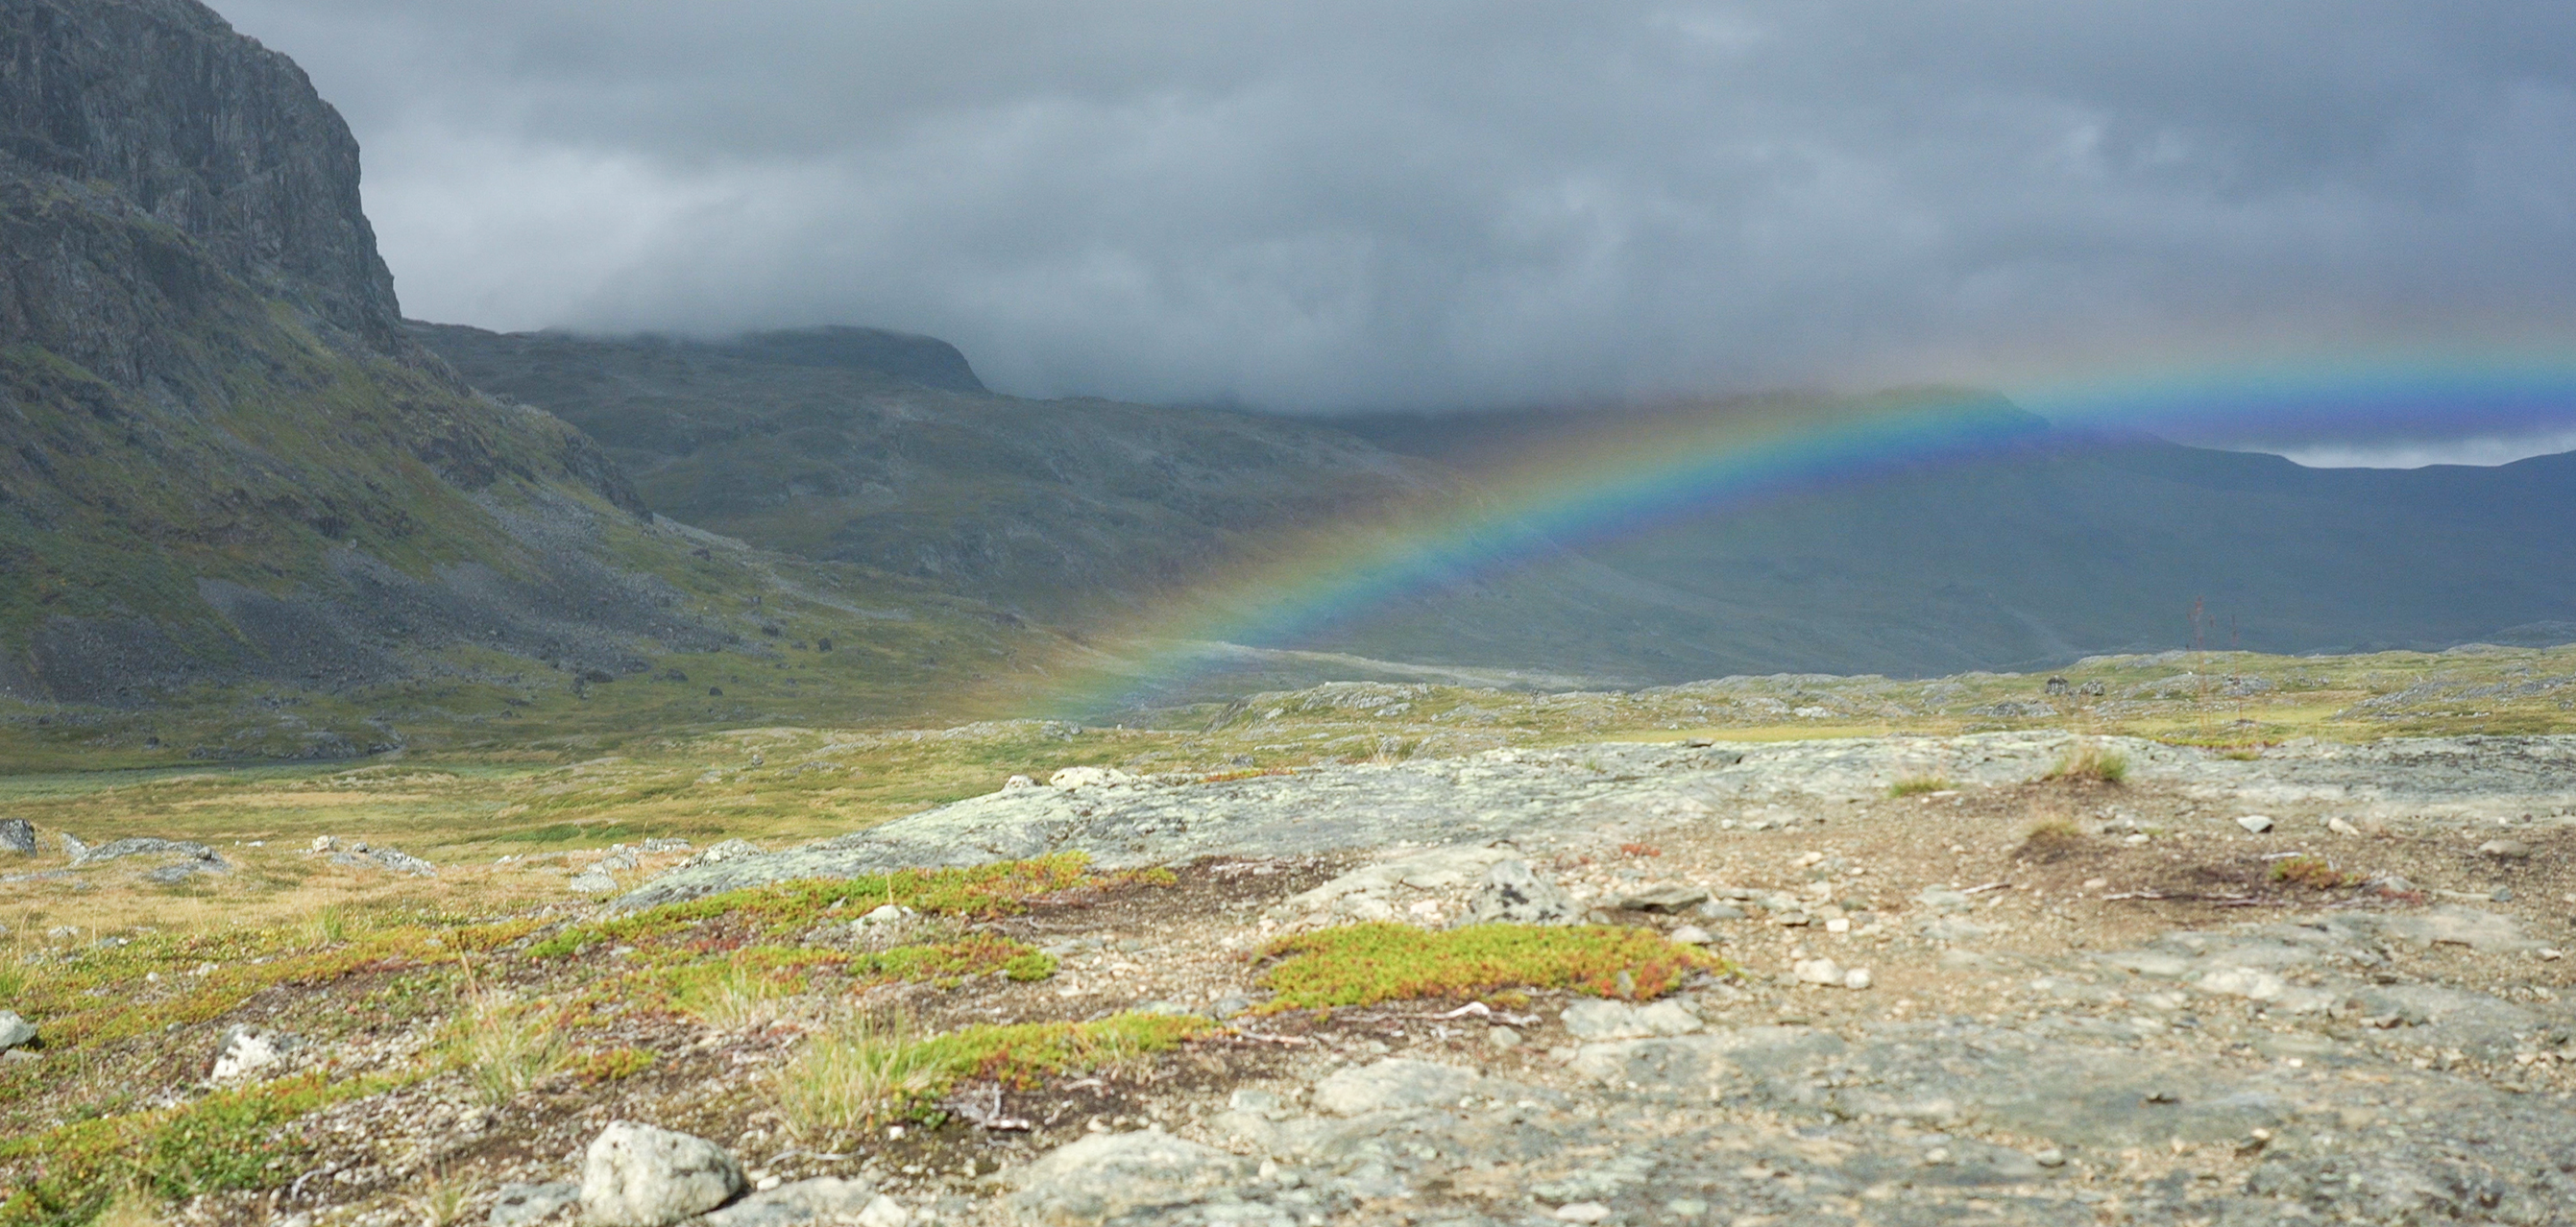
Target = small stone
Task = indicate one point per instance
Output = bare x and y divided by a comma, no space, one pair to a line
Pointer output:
1585,1212
1685,1207
1839,924
1231,1005
246,1050
1666,899
1693,935
324,843
2096,883
1253,1099
2048,1156
520,1204
2341,827
1857,977
1502,1037
640,1176
2506,849
884,1211
823,1199
2255,823
18,835
1513,893
1817,971
15,1032
886,914
591,881
1944,899
1720,911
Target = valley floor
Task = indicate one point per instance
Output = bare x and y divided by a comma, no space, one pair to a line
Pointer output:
2103,980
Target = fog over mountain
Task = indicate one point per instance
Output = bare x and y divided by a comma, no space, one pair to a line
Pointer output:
1339,205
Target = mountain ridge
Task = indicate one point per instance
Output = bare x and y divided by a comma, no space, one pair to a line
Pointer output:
239,504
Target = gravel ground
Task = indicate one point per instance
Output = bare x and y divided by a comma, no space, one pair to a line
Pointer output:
2087,1002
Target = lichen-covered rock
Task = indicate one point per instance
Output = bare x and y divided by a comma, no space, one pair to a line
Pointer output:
823,1199
518,1205
15,1032
1394,1084
247,1050
1107,1175
640,1176
1513,893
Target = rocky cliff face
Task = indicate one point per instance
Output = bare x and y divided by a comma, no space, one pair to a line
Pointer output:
221,456
204,147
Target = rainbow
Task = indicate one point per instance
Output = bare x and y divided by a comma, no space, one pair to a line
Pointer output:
1658,467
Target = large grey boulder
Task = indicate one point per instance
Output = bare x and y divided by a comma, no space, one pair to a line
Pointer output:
18,835
1108,1175
639,1176
1513,893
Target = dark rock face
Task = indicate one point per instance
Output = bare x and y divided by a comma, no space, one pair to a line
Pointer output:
206,133
221,455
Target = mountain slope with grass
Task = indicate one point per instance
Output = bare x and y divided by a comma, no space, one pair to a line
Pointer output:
225,464
860,446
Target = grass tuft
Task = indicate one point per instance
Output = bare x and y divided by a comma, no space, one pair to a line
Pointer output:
504,1045
1363,964
2088,762
874,1070
1915,785
2050,839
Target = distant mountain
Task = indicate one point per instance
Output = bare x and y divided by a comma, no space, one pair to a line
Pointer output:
2057,546
224,460
884,450
2067,545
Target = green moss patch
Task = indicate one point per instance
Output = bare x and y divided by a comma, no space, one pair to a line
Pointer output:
872,1071
1364,964
781,910
226,1141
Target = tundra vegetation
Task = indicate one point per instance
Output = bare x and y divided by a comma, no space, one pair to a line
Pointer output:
495,997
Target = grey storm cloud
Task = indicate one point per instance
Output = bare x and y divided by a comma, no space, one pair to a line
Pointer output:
1327,204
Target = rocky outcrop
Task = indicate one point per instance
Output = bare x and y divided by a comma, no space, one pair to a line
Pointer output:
221,455
203,148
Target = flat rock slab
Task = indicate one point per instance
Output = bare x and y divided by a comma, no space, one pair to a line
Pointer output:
1111,1175
1121,820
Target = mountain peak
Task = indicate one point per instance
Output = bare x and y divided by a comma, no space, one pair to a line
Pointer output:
923,360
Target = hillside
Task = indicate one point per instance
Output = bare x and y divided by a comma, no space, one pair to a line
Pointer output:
860,446
224,463
2062,545
2067,545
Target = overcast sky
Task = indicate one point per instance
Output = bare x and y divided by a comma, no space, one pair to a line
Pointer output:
1317,204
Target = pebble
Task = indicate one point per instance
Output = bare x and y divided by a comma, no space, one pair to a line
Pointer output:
2255,823
1693,935
1585,1212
